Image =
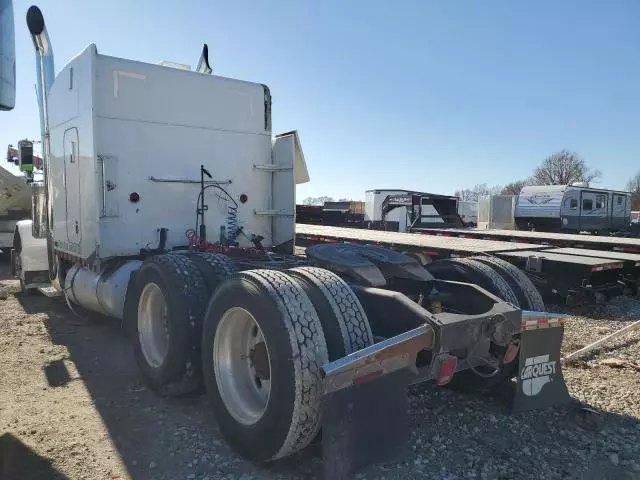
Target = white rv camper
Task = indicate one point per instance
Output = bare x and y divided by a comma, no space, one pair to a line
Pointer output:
576,208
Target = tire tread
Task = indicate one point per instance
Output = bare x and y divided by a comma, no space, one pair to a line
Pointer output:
349,314
524,282
309,354
185,281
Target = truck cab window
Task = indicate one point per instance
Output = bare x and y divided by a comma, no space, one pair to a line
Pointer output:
600,201
587,204
574,204
619,200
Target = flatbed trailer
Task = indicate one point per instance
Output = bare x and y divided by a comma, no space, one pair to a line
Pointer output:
573,274
429,246
594,242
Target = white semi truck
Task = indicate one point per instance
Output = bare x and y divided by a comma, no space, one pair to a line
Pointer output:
168,205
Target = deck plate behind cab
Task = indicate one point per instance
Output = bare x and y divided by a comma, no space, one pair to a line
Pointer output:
369,264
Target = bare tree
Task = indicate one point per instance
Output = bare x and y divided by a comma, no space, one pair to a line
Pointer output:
316,200
633,186
563,168
472,194
514,188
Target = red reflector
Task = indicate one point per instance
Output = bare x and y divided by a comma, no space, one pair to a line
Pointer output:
134,197
366,377
447,369
512,351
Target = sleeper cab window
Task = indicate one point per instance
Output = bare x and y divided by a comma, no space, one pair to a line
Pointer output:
587,204
619,200
600,201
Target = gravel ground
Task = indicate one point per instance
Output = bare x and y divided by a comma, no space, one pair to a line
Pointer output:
72,405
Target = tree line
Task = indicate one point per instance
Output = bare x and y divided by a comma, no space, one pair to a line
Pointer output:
561,168
322,200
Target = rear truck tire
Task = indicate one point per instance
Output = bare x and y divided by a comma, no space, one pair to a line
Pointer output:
514,276
215,267
168,300
262,350
486,277
344,321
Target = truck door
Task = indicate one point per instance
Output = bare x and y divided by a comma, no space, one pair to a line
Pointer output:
72,185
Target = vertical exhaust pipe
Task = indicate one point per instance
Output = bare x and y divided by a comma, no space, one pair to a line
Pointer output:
45,77
203,64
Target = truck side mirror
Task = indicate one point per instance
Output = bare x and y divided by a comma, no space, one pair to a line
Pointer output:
7,57
25,156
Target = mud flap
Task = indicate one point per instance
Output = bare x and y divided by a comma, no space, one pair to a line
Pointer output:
363,424
540,383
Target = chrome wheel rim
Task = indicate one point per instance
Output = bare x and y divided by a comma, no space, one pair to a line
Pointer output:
242,366
153,324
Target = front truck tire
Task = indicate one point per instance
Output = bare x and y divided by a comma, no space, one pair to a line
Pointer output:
262,349
164,316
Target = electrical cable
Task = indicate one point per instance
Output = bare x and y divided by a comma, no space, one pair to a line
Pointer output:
232,212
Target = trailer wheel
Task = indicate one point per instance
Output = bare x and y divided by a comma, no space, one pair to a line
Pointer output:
168,302
262,349
215,267
517,279
344,322
494,281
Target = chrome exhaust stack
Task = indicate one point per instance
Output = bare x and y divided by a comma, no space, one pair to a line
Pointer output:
45,77
45,73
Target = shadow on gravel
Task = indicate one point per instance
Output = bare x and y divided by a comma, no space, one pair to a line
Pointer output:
19,462
56,373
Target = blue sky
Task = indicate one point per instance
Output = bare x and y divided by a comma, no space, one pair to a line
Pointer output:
416,94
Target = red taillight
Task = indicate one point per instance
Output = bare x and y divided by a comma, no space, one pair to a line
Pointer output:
446,371
134,197
512,351
367,376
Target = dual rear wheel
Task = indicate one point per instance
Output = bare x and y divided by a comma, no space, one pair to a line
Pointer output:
256,339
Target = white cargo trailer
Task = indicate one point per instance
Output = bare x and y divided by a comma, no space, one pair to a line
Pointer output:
411,210
496,212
